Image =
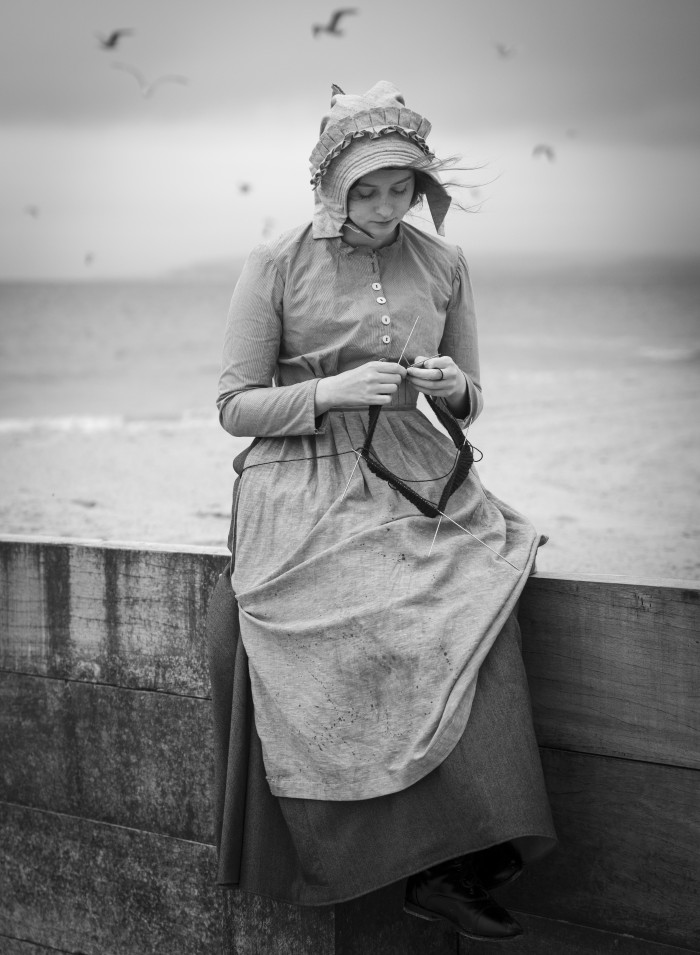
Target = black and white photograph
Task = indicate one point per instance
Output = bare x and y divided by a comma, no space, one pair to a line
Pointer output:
349,477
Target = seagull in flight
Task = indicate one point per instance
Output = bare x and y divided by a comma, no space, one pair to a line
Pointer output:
32,211
505,50
148,88
545,151
110,42
332,25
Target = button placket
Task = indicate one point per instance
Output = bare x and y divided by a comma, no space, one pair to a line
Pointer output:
385,319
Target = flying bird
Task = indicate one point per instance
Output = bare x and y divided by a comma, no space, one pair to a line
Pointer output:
148,88
332,25
89,258
545,151
244,188
32,211
505,50
110,42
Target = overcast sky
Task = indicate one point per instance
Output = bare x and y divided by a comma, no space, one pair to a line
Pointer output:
98,180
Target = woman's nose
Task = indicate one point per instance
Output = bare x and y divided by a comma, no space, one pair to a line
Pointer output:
385,209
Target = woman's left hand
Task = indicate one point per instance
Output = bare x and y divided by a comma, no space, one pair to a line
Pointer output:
438,377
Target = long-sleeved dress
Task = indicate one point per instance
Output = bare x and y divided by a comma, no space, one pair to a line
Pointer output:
364,629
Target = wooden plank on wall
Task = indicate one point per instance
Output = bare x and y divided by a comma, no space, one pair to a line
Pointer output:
76,885
68,884
107,614
131,757
15,946
258,926
629,848
614,668
547,937
376,924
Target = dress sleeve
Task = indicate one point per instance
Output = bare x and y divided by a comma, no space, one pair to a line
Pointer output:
249,402
459,339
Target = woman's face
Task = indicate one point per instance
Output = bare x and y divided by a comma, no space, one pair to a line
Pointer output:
377,203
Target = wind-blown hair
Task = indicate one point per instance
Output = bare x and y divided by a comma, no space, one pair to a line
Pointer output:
438,166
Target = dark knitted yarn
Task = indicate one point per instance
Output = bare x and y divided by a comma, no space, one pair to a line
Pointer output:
462,466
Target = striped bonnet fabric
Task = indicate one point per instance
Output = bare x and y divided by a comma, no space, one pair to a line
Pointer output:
363,133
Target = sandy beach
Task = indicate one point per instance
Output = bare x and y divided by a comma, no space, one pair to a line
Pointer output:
614,487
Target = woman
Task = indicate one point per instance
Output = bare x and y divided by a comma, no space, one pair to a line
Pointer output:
368,623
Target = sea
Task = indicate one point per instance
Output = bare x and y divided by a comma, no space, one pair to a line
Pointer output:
108,354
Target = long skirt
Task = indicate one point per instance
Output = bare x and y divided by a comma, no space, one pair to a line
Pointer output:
489,790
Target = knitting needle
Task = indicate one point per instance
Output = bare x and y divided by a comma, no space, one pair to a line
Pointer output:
421,363
467,531
435,536
351,474
408,339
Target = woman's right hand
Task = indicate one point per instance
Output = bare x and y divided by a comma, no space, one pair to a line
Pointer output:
370,384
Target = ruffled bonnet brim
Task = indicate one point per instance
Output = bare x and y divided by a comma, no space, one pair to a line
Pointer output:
360,135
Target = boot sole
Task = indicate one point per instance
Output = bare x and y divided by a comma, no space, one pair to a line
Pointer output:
428,916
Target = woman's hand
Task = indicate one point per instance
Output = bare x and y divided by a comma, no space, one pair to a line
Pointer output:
439,377
371,384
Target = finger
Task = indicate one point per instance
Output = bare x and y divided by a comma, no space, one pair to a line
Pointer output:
438,361
391,366
442,366
421,361
431,382
431,388
425,374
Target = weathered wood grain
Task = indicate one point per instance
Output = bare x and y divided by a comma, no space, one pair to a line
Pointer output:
548,937
614,667
15,946
131,757
629,849
81,886
106,614
376,924
254,925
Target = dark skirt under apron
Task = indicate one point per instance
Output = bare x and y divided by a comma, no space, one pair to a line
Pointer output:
489,790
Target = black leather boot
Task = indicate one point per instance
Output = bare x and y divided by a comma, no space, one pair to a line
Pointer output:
450,892
496,866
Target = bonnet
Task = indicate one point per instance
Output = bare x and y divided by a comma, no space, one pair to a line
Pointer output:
363,133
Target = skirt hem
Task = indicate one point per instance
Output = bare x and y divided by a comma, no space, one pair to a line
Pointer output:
350,894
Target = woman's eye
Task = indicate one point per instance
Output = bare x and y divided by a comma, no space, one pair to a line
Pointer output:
401,192
358,195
